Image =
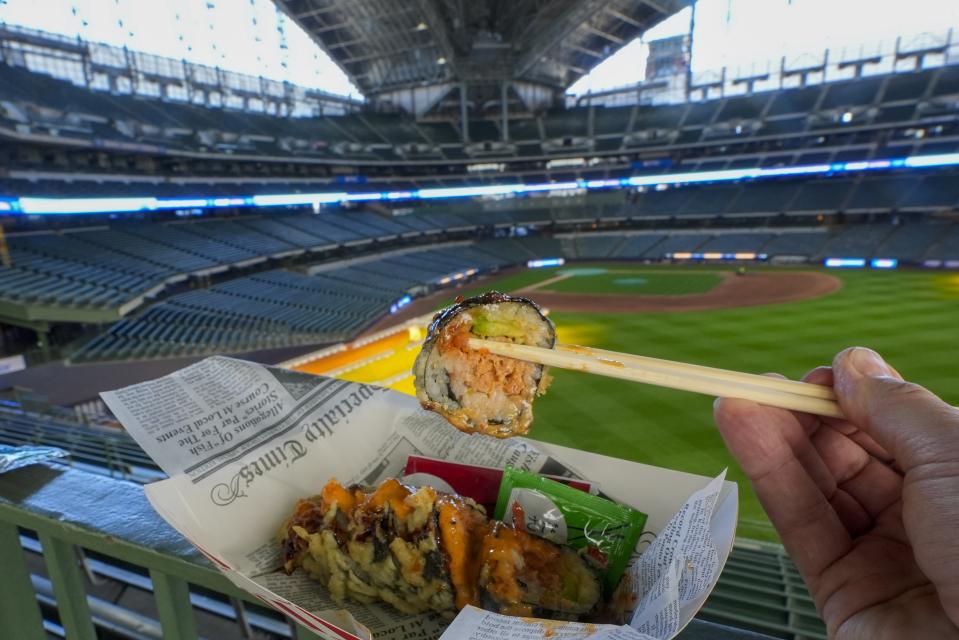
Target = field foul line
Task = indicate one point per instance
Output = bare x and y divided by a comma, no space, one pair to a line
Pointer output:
545,283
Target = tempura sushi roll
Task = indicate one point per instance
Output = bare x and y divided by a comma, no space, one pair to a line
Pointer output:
409,548
524,575
475,390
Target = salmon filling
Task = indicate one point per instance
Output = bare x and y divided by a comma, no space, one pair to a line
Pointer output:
475,390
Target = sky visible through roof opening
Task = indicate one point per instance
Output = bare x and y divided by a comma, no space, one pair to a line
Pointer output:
751,36
246,36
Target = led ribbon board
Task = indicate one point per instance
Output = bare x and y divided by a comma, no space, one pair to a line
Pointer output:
75,206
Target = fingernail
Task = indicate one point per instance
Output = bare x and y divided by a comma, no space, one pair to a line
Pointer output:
867,362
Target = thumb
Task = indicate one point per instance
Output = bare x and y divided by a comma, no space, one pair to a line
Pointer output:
909,421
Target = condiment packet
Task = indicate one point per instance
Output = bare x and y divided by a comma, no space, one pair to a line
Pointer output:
606,531
479,483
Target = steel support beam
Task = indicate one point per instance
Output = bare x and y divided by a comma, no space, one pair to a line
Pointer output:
561,28
602,34
464,115
504,109
434,20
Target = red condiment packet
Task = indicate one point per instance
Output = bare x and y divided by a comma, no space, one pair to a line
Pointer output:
476,482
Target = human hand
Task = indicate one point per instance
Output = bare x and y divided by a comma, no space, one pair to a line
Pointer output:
867,507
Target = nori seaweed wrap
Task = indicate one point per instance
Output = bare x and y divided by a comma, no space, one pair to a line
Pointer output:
475,390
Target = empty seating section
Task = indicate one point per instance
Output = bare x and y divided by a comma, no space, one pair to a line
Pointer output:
764,198
677,243
611,120
637,246
710,201
179,236
565,123
50,106
909,86
279,228
63,270
802,243
241,238
108,267
664,203
881,193
797,101
821,196
948,82
283,308
175,259
745,108
597,246
911,241
736,243
321,228
859,241
933,191
946,247
860,92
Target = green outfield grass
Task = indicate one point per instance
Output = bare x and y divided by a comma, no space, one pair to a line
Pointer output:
911,317
623,280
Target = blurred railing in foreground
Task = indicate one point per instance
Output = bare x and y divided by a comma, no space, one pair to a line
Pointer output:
77,536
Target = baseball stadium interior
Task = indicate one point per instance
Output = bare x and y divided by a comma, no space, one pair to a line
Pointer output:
303,183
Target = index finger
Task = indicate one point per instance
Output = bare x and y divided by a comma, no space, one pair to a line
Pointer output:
770,445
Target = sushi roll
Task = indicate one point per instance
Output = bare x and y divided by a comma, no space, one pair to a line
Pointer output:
409,548
425,551
475,390
524,575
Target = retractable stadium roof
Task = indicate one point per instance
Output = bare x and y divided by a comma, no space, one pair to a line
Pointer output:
387,46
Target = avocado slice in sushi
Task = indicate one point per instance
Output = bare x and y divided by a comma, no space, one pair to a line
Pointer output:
477,391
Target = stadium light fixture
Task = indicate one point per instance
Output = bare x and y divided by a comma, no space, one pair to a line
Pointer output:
546,262
183,203
847,117
845,263
74,206
46,206
399,304
937,160
469,192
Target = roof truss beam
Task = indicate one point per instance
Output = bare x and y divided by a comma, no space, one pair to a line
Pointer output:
561,28
434,20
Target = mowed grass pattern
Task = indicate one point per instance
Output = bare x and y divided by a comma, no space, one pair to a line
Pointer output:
911,317
619,280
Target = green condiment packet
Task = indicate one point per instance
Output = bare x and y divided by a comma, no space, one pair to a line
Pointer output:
607,531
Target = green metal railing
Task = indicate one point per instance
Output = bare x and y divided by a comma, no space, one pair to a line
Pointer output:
70,510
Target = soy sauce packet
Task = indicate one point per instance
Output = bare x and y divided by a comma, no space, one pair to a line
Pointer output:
603,530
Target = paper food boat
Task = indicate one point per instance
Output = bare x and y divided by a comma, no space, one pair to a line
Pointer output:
242,443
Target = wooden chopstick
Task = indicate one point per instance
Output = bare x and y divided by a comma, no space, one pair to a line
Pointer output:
790,386
814,399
